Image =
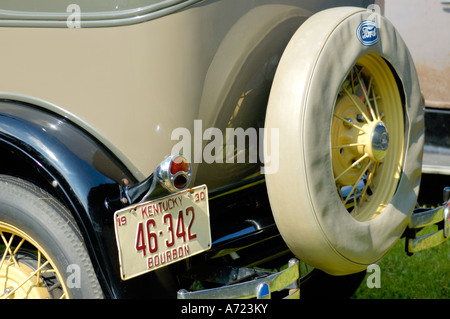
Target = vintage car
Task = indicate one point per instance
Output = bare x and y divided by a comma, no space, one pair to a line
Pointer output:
204,149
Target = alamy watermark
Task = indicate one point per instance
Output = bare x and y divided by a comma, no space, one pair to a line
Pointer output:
374,279
235,145
74,19
74,276
376,14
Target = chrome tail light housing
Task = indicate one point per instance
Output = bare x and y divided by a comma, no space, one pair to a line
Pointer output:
174,173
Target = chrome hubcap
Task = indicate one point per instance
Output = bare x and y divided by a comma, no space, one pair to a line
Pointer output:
380,141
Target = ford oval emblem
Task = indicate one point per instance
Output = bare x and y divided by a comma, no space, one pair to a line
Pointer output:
367,32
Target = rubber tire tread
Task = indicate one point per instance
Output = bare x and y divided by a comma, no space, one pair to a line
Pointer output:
51,225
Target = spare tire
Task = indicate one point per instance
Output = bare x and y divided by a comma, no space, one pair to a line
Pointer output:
347,105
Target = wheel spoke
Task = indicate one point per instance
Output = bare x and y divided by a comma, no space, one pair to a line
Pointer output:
38,274
369,87
369,181
357,72
363,172
352,80
18,246
349,123
8,249
356,104
366,95
351,166
376,106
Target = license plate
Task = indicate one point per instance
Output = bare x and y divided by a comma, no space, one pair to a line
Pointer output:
158,233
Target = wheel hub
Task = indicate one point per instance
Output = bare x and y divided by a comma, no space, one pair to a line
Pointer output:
379,143
17,280
375,141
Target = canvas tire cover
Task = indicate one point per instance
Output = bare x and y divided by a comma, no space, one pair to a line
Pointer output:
306,206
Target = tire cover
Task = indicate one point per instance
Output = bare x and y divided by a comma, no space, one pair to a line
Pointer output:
306,206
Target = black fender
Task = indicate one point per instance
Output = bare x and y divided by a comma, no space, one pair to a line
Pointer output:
61,157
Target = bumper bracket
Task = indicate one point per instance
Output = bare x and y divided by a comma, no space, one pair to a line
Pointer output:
260,288
420,219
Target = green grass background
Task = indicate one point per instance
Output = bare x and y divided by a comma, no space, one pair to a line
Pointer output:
424,275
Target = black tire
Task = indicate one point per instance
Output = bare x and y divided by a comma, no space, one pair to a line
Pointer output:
30,213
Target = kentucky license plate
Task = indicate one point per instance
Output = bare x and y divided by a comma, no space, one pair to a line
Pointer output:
158,233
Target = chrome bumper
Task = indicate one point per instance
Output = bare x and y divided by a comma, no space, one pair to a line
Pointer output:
260,288
439,217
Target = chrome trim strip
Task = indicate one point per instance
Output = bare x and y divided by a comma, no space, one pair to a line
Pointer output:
9,18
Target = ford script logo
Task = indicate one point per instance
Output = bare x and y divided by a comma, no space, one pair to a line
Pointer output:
367,32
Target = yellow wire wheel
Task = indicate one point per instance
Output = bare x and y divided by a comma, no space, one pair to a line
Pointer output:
367,138
26,271
346,102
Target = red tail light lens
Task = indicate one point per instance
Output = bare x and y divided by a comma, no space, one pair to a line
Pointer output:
178,165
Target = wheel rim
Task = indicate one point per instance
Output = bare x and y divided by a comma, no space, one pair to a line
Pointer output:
26,271
367,138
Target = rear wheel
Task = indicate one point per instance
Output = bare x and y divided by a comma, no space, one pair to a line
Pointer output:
42,254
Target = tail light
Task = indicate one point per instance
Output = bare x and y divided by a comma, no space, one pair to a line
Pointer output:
174,173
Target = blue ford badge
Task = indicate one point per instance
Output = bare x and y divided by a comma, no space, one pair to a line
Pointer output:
367,32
